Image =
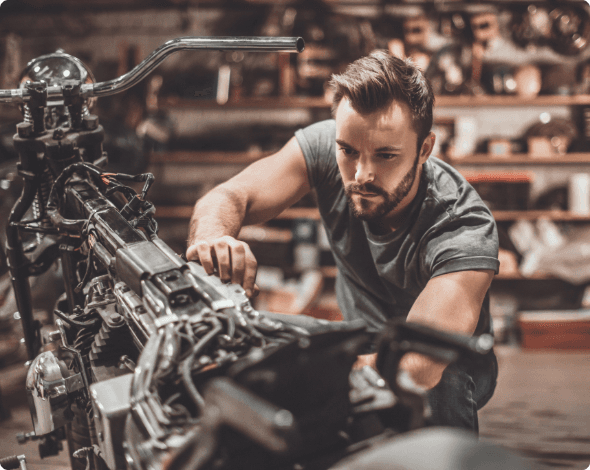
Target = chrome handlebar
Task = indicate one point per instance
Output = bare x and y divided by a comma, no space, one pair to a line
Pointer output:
138,73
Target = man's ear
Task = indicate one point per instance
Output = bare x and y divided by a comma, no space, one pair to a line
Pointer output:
427,147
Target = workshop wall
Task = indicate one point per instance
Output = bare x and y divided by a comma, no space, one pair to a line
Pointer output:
513,114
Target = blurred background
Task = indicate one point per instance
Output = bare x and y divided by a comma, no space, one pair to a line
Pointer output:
512,81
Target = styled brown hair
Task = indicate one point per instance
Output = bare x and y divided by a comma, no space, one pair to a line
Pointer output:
373,82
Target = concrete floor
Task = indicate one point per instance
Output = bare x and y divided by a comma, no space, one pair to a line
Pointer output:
541,409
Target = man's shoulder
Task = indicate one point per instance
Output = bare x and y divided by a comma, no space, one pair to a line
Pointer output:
322,132
448,188
318,145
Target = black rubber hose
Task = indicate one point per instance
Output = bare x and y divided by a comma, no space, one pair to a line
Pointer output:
187,365
72,225
81,324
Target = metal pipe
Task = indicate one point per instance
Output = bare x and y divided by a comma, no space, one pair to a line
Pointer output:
247,44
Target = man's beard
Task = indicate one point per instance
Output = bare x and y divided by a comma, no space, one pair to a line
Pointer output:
391,200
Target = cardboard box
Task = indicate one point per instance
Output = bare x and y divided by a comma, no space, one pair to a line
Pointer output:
568,329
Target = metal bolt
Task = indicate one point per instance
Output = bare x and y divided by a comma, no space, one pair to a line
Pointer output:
16,315
22,341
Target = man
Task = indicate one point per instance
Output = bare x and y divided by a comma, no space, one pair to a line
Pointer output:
410,236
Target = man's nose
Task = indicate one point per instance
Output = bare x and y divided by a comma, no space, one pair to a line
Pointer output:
364,171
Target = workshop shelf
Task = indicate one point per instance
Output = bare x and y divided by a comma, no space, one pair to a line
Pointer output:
185,212
522,159
443,101
195,156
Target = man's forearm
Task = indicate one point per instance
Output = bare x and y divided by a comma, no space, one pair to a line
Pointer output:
220,212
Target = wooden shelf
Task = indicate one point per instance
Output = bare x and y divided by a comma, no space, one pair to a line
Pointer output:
556,215
520,277
191,156
321,103
260,233
477,101
265,103
522,159
185,212
221,157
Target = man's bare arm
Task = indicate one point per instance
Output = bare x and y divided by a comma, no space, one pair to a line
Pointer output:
450,302
257,194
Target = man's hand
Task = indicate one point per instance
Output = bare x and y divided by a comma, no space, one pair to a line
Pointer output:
365,360
231,259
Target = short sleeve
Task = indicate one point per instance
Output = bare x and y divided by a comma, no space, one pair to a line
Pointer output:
462,243
317,142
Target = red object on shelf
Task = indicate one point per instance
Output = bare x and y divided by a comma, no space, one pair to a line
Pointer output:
498,177
555,330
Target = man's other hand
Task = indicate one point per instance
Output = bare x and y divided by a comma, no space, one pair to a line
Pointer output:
231,259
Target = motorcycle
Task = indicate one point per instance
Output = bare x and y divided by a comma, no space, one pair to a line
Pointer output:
152,363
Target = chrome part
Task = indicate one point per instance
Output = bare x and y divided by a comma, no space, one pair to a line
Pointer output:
233,293
55,69
22,461
131,78
255,44
47,393
111,403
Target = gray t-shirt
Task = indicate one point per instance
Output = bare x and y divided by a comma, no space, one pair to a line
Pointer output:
448,229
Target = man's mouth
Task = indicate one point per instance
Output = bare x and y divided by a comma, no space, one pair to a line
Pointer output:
367,194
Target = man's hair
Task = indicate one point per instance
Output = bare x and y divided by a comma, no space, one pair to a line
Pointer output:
373,82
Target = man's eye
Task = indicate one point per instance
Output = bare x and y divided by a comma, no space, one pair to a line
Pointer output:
387,156
346,151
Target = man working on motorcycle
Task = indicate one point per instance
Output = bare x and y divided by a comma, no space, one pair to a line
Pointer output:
410,236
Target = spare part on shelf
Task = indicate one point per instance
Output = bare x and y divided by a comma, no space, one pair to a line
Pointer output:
565,28
531,27
449,70
558,132
455,26
485,27
570,30
505,79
